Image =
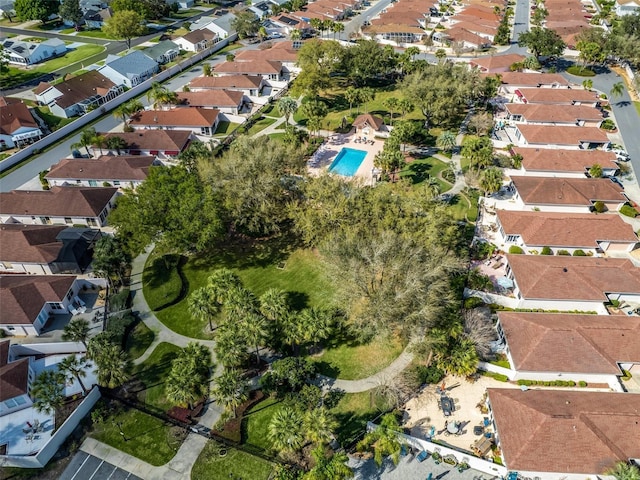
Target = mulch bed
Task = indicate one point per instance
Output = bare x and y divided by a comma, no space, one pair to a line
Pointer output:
232,430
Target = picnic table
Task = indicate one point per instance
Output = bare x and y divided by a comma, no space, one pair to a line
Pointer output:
446,403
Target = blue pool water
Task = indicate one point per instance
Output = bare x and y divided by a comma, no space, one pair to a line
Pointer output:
347,162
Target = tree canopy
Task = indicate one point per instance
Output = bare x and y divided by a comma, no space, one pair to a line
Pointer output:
246,24
36,9
542,42
70,10
125,25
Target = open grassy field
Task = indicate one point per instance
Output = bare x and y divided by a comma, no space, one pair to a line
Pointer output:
261,124
212,465
153,372
419,170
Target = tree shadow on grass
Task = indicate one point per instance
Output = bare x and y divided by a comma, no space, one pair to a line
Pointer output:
327,369
416,171
160,272
156,373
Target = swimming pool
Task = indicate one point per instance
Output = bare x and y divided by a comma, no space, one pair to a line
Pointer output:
347,162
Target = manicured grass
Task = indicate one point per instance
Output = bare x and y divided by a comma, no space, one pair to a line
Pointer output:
272,111
256,423
353,411
186,13
153,372
53,122
581,71
348,360
95,34
139,340
300,273
148,438
161,276
463,207
260,125
421,169
229,48
73,56
235,464
4,155
637,105
226,127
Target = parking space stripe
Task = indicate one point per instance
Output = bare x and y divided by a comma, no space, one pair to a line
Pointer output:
78,471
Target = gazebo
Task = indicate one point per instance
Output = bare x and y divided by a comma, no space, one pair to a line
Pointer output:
367,124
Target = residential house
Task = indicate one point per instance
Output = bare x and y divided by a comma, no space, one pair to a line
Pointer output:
627,7
370,125
182,3
225,101
201,121
567,283
463,37
45,249
129,70
267,69
395,32
196,40
250,85
571,434
118,171
285,52
201,22
553,346
496,63
17,125
221,25
286,23
512,81
165,144
260,9
575,195
162,52
560,115
59,205
95,19
77,95
7,8
30,301
564,163
29,53
551,136
558,96
593,234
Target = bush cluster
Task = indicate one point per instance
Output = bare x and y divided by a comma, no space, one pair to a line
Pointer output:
552,383
628,211
515,250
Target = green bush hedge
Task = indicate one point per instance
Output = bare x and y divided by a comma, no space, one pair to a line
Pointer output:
579,253
582,383
473,302
563,252
599,207
581,71
515,250
552,383
628,211
496,376
546,251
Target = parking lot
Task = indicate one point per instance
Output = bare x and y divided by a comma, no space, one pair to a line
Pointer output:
87,467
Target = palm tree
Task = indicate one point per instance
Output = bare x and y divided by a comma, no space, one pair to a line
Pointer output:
285,430
625,471
432,187
441,54
86,139
405,106
47,391
295,35
287,107
391,104
316,23
77,330
587,84
319,426
116,143
188,378
317,324
384,440
338,28
617,90
75,366
367,94
256,331
161,95
206,69
332,467
112,364
231,347
202,306
411,52
491,180
314,124
125,110
446,141
221,282
100,141
458,357
262,33
351,95
231,390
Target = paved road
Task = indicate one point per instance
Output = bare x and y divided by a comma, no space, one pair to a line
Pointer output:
353,25
520,24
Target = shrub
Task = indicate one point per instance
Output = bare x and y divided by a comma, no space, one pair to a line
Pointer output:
628,211
579,253
580,71
626,375
615,303
608,124
563,252
582,383
496,376
430,374
473,302
599,207
515,250
106,184
546,251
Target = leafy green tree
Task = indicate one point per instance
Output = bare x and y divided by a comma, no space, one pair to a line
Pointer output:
188,378
36,9
384,440
285,430
75,367
125,25
538,16
246,24
542,42
156,9
290,374
352,95
625,471
231,390
171,208
587,84
288,107
202,307
491,180
595,171
391,104
4,61
47,391
446,141
479,151
77,330
368,60
390,158
365,95
129,5
70,11
110,258
441,55
318,60
432,187
328,467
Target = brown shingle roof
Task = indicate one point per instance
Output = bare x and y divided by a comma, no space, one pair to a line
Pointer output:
565,431
565,230
59,201
230,81
199,35
269,54
560,160
573,278
30,243
154,139
176,117
103,168
531,79
497,61
258,67
23,296
14,377
86,85
14,116
211,98
566,191
540,112
368,119
558,95
551,342
565,136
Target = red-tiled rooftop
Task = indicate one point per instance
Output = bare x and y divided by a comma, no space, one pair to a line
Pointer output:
567,191
119,167
57,202
540,112
561,160
227,81
564,136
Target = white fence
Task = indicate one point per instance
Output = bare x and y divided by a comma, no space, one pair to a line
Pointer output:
462,457
49,449
492,298
110,105
56,348
490,367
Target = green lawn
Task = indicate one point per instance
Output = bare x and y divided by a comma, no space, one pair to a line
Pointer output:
226,127
464,207
637,105
186,13
53,122
138,340
299,273
161,277
421,169
255,423
348,360
260,125
95,34
272,111
148,438
235,464
153,372
277,136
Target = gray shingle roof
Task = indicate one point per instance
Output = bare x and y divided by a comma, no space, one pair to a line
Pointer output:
134,63
160,48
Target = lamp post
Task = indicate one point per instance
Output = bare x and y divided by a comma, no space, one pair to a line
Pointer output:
119,425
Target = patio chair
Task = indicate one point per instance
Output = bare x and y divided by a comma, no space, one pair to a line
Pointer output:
422,456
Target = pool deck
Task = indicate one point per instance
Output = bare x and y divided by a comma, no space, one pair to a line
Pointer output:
321,160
